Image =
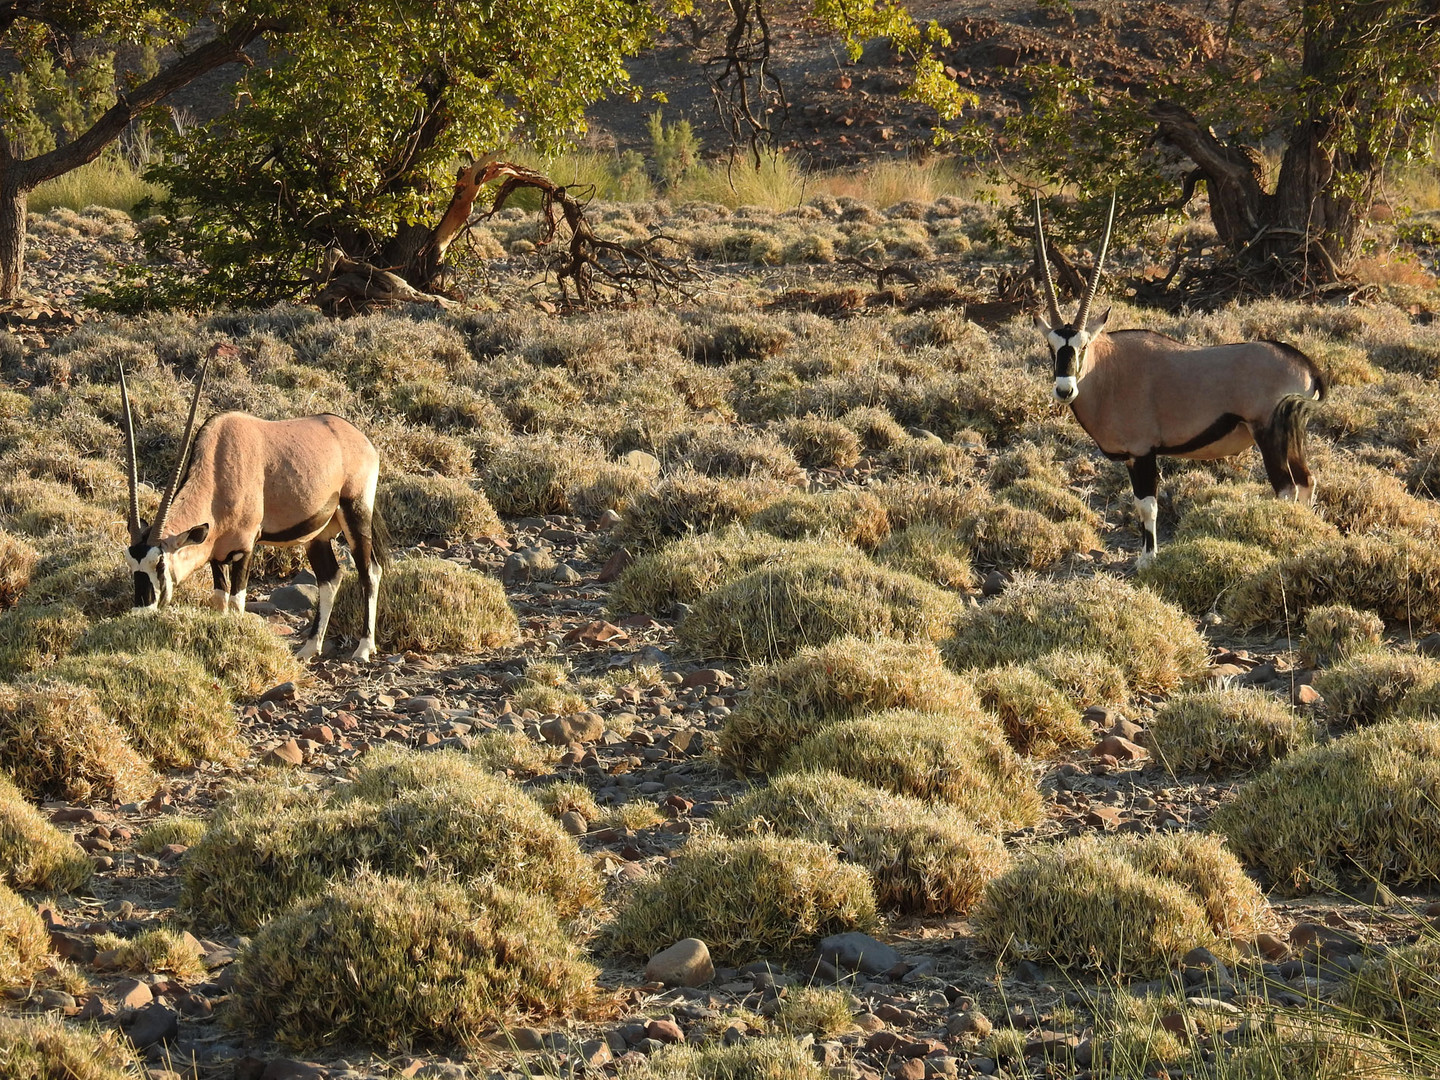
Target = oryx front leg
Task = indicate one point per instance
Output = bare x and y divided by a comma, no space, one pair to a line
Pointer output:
1144,481
239,579
327,583
357,521
220,578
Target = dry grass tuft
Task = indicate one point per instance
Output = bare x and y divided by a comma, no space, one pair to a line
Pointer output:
33,636
1363,808
818,443
176,713
274,842
1005,537
565,796
1277,525
1323,1047
815,1010
935,553
1038,718
750,1059
688,502
397,962
431,508
1361,498
1153,643
1117,904
921,860
1088,677
24,941
1049,500
794,698
1336,632
1401,988
56,742
1227,730
757,898
17,560
153,951
511,754
50,1049
1378,686
34,855
809,600
1197,574
174,830
951,757
240,651
432,605
533,475
852,517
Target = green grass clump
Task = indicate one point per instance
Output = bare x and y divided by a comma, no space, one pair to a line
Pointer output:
50,1049
34,855
1363,808
1038,718
757,898
1277,525
17,560
396,962
33,636
852,517
432,605
239,650
688,502
921,860
24,942
750,1059
1376,686
153,951
56,742
1155,644
815,1010
1198,573
431,508
931,552
950,757
776,610
792,699
1335,632
273,843
1392,574
175,712
1088,677
1400,988
1108,903
1232,729
175,830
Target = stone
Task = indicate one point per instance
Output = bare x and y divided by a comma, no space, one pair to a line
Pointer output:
574,823
971,1022
1120,749
132,994
615,565
284,692
686,963
1308,696
299,599
1103,817
994,583
1051,1044
521,1038
152,1024
664,1031
642,462
910,1069
290,1069
581,727
854,951
287,753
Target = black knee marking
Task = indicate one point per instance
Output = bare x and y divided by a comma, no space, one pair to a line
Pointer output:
1145,482
240,571
321,554
219,575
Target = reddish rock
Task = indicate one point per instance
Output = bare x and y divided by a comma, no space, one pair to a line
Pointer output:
321,733
615,565
1120,749
664,1031
1103,817
287,753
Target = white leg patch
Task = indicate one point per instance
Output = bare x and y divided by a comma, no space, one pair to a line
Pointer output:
1149,511
367,643
313,646
219,600
237,601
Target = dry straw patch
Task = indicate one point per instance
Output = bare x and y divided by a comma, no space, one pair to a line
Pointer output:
1377,686
1336,632
921,860
1116,905
809,600
814,1010
760,897
154,951
1226,730
1088,677
56,742
17,560
818,443
1197,574
240,651
532,475
1155,644
432,605
418,508
1050,500
34,855
1006,537
792,699
948,757
1365,807
50,1049
1278,525
24,941
935,553
396,962
175,830
273,842
1317,1047
33,636
175,712
750,1059
1038,718
1401,988
512,754
688,502
852,517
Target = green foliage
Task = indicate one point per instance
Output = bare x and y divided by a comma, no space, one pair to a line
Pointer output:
674,148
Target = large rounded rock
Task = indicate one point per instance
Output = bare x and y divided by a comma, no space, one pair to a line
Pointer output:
686,963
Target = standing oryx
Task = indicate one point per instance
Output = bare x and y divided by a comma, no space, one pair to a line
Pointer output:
1140,394
249,481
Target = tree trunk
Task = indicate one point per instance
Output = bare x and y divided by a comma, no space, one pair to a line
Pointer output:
14,200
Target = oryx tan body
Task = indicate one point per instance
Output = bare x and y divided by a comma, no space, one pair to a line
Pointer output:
243,481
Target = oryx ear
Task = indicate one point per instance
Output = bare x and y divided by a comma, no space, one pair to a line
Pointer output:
1096,324
196,535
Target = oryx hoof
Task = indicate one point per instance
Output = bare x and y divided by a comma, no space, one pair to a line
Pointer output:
1145,559
363,650
309,649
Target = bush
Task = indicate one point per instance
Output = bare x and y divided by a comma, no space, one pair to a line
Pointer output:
17,560
1380,686
1153,643
1277,525
1400,988
933,553
612,487
737,453
33,635
274,842
24,941
34,855
852,517
396,962
1335,632
239,650
821,444
532,475
945,756
775,610
757,898
792,699
1196,574
1363,808
50,1049
1109,903
921,860
1088,677
1227,730
1037,717
175,713
749,1059
688,502
419,508
432,605
1005,537
55,742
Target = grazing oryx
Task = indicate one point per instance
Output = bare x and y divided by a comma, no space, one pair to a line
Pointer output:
1140,394
249,481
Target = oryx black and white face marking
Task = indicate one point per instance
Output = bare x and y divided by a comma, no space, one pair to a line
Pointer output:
153,586
1067,348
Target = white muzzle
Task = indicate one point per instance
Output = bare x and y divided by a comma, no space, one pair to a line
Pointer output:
1067,389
